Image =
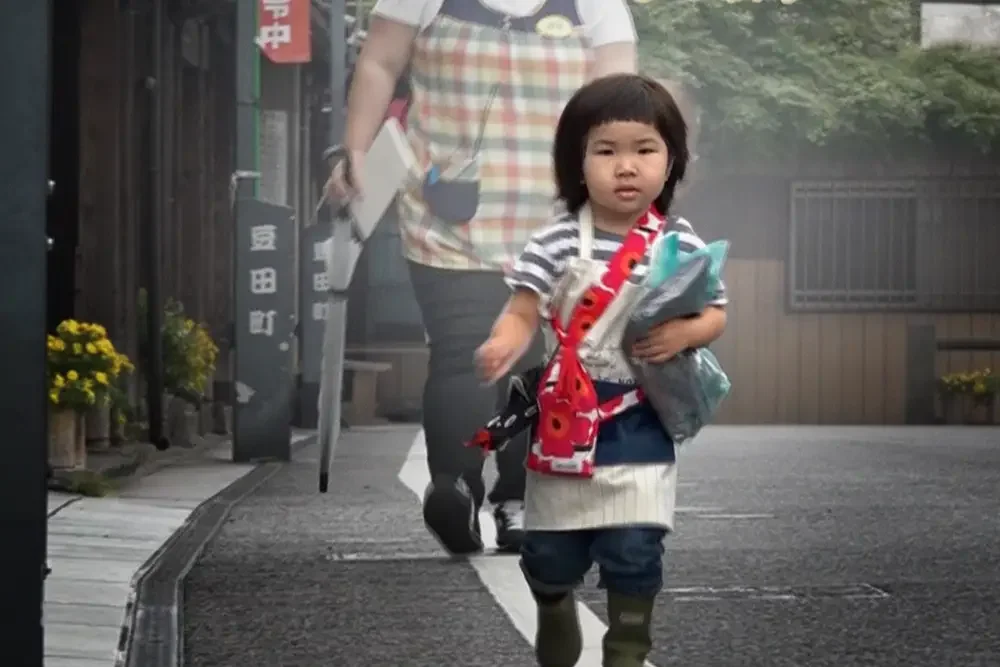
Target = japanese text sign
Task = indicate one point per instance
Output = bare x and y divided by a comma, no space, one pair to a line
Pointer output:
283,30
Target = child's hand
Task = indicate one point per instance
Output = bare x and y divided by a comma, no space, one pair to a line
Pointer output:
504,347
664,341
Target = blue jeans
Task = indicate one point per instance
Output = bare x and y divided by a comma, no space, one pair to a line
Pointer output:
630,559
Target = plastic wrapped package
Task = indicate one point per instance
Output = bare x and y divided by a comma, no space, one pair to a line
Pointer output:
685,391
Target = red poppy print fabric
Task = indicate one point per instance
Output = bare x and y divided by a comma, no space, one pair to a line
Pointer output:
569,412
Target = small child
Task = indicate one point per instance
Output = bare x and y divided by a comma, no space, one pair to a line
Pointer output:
601,471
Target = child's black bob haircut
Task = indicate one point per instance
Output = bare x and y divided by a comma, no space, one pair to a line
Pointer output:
618,97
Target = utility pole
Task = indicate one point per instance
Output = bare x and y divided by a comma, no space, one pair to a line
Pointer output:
25,39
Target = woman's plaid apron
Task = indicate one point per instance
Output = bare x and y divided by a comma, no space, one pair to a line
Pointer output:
457,61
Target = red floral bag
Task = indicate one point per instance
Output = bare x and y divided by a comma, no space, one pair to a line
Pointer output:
569,411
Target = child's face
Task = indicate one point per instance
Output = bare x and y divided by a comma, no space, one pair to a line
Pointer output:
624,168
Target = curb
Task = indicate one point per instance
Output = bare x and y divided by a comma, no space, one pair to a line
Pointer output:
152,633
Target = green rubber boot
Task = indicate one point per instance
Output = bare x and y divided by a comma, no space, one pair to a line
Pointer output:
559,640
627,641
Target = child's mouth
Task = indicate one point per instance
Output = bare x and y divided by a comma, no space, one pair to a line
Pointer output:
627,193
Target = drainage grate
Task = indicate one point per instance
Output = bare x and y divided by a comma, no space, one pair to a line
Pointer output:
775,593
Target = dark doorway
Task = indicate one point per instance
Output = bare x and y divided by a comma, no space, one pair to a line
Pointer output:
64,161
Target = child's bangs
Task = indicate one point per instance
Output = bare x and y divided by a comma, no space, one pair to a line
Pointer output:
621,101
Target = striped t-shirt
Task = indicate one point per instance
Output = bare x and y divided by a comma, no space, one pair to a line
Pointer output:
546,256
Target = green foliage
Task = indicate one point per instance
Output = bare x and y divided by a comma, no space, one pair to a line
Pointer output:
829,73
189,353
88,483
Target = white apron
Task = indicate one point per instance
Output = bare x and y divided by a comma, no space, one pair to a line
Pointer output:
628,494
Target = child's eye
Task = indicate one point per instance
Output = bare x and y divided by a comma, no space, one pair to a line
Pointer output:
604,151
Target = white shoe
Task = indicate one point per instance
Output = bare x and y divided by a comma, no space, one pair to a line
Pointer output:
509,517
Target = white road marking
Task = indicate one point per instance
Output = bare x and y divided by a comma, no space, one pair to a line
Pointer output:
735,516
694,509
502,574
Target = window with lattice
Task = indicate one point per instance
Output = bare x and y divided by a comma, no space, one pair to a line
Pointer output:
901,245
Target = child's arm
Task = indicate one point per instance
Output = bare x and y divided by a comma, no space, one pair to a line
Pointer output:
521,312
671,338
705,329
511,335
675,336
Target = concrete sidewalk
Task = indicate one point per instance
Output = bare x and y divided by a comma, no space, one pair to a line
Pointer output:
97,545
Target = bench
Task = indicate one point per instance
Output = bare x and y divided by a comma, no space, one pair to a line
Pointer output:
362,377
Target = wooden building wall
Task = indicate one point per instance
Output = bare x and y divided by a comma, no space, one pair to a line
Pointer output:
116,167
815,368
790,368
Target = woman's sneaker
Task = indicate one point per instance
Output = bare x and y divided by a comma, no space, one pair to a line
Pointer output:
451,515
509,517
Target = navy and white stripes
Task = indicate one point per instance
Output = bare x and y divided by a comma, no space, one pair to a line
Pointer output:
545,257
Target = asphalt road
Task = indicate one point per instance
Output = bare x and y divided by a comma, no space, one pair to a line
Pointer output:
795,547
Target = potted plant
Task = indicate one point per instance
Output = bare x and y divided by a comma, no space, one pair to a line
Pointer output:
970,397
189,357
84,370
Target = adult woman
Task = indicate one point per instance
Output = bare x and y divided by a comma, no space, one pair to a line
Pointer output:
488,80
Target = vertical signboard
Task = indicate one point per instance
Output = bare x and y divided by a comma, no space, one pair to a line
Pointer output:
314,304
283,30
262,387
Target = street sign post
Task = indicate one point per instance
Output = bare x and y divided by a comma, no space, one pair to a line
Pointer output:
265,329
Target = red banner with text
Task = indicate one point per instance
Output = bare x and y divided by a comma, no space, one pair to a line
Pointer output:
283,30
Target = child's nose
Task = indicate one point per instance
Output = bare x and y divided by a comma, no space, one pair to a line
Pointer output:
626,166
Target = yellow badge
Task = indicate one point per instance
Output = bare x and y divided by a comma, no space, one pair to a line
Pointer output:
641,2
554,27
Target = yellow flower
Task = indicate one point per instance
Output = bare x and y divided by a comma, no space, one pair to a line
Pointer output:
72,376
54,396
90,396
102,378
91,348
58,380
88,384
99,330
77,348
56,344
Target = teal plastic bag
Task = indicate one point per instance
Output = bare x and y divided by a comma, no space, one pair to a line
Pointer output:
686,391
667,257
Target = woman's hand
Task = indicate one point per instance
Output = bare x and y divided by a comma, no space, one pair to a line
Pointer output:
343,186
